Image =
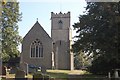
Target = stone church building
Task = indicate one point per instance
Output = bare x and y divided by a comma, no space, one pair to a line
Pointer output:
39,49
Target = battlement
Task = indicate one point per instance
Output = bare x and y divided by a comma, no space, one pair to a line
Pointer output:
60,15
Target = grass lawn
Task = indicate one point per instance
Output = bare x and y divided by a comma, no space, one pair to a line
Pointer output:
54,73
64,73
67,71
13,76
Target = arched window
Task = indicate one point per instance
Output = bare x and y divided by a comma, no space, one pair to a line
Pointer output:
36,49
60,24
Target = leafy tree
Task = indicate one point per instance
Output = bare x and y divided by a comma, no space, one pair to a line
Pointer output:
10,37
99,35
81,60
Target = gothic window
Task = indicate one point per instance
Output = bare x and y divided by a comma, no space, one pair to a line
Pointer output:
36,49
60,24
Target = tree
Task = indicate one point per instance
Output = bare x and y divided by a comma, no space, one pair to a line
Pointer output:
99,35
10,35
81,60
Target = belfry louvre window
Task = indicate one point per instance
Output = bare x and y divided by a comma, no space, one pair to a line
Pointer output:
60,23
36,49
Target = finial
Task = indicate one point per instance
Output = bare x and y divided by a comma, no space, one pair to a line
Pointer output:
37,19
60,12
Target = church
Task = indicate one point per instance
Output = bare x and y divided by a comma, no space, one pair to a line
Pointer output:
39,49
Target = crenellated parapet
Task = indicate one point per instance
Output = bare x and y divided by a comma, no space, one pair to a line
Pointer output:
60,15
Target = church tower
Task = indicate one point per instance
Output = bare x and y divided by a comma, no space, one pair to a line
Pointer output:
62,38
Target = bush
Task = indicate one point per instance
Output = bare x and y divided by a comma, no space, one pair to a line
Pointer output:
102,66
37,76
40,76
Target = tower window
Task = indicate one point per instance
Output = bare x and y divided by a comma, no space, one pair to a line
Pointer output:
36,49
60,23
60,42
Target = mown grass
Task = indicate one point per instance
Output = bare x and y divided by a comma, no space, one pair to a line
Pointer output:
57,75
64,73
13,76
68,71
61,74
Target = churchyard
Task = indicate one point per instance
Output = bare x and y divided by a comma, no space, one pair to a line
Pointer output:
51,75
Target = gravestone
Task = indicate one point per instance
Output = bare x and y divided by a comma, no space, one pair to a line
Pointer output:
116,73
4,70
43,70
20,75
109,75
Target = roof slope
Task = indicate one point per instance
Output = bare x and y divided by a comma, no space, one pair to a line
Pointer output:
37,24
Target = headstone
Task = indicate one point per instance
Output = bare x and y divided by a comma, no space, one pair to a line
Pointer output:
116,74
20,75
109,75
4,70
43,70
